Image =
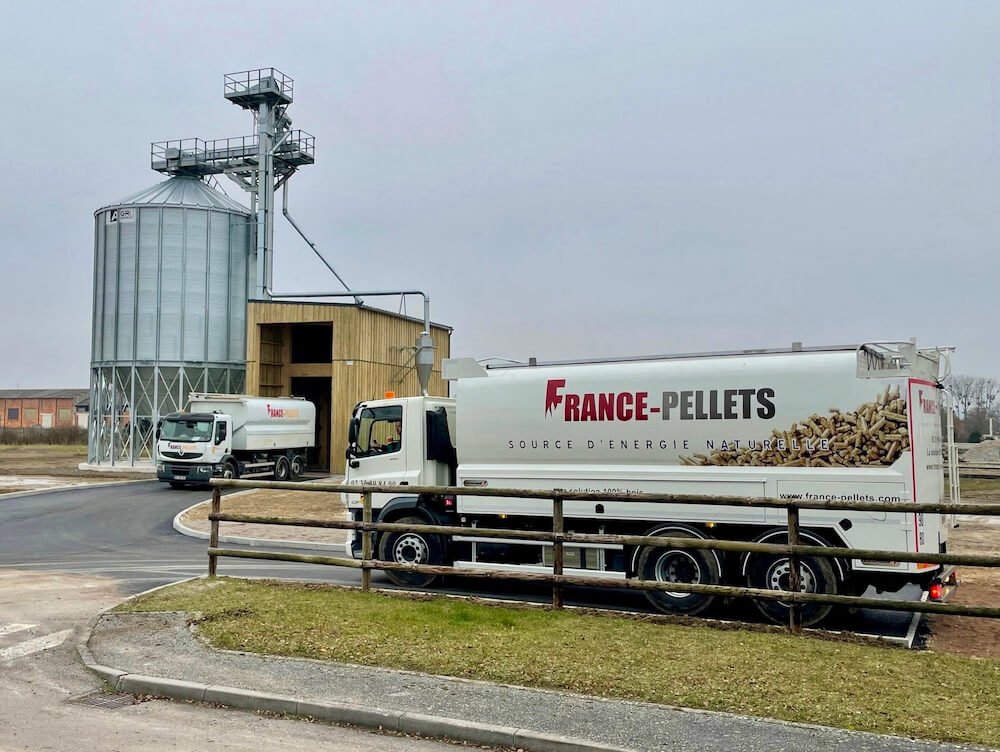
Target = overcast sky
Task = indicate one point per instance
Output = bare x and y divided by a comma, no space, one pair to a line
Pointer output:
565,179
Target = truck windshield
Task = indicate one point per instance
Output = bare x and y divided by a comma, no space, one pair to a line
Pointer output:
380,431
186,430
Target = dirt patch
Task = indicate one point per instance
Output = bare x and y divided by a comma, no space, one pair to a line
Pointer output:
53,462
302,504
987,451
966,635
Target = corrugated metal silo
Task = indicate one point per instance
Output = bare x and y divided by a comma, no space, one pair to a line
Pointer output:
172,268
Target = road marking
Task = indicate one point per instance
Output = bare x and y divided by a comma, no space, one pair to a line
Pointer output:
35,646
12,628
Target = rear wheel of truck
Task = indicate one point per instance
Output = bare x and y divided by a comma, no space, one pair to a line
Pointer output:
412,547
282,469
298,466
772,572
680,565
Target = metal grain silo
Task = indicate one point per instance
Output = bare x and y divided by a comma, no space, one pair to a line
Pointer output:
172,268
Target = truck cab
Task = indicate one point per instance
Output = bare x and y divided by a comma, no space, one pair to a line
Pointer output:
190,446
403,442
399,442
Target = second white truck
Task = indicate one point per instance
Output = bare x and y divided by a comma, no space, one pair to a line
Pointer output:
858,423
235,436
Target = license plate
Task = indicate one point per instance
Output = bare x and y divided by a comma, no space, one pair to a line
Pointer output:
179,477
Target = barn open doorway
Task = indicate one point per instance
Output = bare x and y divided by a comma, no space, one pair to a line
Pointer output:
316,389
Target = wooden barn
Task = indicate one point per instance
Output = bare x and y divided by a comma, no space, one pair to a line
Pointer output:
336,355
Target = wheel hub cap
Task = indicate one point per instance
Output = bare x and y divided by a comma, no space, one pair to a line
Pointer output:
678,566
410,549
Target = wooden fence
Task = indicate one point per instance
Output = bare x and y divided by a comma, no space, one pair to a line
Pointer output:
558,537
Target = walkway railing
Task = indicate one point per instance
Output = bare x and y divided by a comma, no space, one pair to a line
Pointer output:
558,537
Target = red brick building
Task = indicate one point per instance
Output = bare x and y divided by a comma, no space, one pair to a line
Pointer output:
47,408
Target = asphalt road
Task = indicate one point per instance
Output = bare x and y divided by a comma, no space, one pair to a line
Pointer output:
122,532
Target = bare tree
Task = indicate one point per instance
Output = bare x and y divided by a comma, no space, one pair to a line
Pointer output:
963,388
986,394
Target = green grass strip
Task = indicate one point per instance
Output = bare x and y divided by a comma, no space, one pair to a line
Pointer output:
834,683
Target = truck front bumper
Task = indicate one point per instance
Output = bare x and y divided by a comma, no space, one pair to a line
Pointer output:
177,472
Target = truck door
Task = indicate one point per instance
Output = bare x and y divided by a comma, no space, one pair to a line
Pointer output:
379,454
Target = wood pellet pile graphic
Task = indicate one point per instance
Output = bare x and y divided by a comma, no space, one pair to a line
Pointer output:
875,433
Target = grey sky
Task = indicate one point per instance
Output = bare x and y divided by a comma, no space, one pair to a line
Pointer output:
563,178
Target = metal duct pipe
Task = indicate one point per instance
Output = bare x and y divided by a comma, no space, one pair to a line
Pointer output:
284,210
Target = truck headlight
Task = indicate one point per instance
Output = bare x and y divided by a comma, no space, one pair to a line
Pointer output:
159,467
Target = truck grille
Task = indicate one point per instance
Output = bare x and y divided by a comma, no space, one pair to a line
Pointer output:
181,470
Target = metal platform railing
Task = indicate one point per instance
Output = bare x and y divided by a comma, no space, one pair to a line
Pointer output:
246,85
198,157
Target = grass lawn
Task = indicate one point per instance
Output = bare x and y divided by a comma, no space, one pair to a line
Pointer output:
833,683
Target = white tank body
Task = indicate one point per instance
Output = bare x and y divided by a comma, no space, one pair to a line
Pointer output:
786,425
263,423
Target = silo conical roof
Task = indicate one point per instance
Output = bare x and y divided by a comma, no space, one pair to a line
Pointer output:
181,191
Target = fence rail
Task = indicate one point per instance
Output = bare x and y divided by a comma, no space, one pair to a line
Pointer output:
794,549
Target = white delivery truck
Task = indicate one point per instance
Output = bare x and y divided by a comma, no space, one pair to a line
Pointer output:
858,423
235,436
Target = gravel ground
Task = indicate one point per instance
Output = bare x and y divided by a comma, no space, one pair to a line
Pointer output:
303,504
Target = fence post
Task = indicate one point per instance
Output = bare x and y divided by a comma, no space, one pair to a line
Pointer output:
366,541
557,550
213,537
794,578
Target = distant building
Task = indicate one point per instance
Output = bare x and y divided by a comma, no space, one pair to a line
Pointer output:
44,408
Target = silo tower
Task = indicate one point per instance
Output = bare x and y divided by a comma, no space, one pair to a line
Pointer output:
171,278
174,268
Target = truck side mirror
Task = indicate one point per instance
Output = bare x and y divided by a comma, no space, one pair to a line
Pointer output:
159,425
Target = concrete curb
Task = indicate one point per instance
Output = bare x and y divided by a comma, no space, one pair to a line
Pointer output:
242,540
79,487
376,719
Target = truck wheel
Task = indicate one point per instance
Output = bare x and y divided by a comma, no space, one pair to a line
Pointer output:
229,471
282,469
298,466
687,565
771,572
411,548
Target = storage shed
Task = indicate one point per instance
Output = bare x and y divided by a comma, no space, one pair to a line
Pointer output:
336,355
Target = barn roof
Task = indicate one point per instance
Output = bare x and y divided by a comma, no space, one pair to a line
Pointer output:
73,394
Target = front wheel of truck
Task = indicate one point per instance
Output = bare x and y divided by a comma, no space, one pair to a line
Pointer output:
411,547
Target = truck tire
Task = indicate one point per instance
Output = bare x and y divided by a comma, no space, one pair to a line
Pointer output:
687,565
411,548
230,471
282,469
771,572
298,466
